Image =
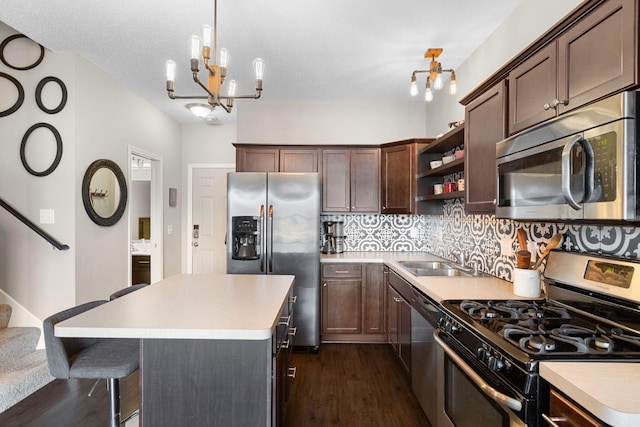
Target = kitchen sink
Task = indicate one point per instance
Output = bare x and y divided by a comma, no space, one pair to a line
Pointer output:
438,268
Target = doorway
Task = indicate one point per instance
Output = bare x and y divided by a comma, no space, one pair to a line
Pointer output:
145,238
207,218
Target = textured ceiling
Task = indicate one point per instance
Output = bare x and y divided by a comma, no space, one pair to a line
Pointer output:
346,50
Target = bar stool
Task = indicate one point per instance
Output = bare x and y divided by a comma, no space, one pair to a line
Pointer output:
91,358
127,290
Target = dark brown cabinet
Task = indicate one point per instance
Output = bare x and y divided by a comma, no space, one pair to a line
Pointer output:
341,299
399,318
252,158
352,302
351,180
599,55
593,58
373,297
140,269
532,85
563,410
398,176
484,128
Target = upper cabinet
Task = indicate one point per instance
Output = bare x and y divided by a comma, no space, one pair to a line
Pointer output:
598,55
398,176
351,180
255,158
593,58
484,127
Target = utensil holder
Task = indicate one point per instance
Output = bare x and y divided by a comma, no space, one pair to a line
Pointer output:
526,283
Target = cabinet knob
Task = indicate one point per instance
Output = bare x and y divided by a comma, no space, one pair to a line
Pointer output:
324,284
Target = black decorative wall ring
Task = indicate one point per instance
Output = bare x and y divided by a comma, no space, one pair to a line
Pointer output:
20,99
56,161
41,86
8,40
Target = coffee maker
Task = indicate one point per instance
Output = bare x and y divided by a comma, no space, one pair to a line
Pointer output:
245,237
332,237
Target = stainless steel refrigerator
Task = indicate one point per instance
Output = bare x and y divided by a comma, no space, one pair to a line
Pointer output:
273,227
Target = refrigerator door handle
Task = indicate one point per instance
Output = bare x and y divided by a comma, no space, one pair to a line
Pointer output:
262,237
270,238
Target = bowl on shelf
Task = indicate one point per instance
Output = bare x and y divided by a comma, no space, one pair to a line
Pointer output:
435,164
448,159
459,154
438,189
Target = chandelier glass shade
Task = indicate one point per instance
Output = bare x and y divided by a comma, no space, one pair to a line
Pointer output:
205,48
435,81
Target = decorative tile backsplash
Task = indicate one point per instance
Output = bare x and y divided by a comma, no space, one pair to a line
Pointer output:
488,241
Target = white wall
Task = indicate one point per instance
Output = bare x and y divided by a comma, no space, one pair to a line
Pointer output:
528,22
39,278
284,122
112,119
100,120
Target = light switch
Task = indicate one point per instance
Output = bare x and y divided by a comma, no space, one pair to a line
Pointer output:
169,229
47,216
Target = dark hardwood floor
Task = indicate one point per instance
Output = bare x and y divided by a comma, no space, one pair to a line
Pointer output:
343,385
351,385
64,403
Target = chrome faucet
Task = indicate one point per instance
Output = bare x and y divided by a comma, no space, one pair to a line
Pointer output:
459,257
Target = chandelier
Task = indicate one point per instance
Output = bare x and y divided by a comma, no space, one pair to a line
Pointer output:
434,79
217,72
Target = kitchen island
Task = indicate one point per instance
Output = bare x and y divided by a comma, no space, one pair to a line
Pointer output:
208,346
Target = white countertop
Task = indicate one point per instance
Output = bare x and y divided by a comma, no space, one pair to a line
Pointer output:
609,390
189,306
437,288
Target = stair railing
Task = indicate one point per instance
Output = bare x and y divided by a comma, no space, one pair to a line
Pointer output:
46,236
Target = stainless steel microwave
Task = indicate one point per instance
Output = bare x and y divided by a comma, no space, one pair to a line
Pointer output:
580,166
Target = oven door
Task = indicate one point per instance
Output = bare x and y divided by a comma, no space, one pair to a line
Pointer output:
466,399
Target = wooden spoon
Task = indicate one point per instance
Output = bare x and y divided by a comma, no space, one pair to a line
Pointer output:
551,245
522,240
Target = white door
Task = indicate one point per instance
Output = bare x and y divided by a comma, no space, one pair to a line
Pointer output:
209,220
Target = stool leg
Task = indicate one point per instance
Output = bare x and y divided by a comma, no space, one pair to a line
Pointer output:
114,401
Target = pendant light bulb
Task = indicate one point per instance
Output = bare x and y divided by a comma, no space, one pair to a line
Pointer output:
170,67
231,90
453,85
428,94
224,58
438,83
207,30
195,46
413,90
258,68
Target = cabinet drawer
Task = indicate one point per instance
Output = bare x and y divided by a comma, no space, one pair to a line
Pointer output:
141,261
342,270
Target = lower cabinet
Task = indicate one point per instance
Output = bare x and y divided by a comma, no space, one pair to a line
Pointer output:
352,303
399,318
140,269
211,382
564,411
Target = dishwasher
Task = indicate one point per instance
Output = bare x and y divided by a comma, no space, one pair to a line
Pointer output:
425,315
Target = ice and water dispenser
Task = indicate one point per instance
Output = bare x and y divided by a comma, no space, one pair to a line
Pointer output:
245,234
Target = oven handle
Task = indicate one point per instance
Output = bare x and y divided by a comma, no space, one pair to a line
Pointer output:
494,394
566,171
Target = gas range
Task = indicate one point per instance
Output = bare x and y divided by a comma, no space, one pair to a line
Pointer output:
591,312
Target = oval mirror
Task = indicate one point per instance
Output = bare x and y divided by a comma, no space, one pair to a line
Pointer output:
104,192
